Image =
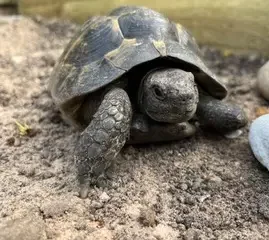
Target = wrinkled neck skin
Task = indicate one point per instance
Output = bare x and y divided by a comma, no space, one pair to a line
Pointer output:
168,95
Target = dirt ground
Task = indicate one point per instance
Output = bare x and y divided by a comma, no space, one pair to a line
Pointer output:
205,187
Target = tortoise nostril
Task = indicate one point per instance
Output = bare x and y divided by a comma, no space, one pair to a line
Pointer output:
187,97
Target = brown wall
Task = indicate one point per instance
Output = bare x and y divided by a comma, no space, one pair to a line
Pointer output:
228,24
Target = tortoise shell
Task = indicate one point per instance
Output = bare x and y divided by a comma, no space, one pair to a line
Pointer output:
107,47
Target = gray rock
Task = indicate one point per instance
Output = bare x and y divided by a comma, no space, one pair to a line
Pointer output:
259,139
263,81
191,234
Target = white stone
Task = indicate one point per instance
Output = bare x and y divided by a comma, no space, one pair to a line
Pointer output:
259,139
263,81
104,197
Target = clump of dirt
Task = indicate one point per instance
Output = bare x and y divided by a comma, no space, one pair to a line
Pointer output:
205,187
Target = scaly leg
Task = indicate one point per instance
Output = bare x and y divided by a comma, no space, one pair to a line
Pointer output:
223,117
103,139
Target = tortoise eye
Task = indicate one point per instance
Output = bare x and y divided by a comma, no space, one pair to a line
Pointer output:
158,92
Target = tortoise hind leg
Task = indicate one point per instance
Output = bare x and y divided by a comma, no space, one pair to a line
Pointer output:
103,139
223,117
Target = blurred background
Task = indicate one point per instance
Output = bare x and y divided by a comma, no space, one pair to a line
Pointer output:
231,25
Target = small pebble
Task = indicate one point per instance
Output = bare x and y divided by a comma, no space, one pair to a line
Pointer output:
17,142
259,139
191,234
163,232
10,141
104,197
18,59
197,183
96,205
183,186
263,81
203,198
55,208
190,200
133,211
46,175
28,171
147,217
214,181
181,227
79,237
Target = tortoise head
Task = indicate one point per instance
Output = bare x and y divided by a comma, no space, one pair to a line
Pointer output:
168,95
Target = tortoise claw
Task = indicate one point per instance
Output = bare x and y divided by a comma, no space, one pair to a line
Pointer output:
233,134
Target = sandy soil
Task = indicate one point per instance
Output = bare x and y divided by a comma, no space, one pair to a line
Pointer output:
206,187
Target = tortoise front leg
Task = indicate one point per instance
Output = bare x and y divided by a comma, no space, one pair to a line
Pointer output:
223,117
144,130
103,139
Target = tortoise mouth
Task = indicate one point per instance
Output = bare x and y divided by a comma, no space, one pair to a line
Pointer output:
172,117
191,108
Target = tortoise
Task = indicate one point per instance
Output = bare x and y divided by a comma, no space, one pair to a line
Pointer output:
133,77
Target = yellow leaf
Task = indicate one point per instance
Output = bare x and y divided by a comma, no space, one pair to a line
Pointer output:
24,129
